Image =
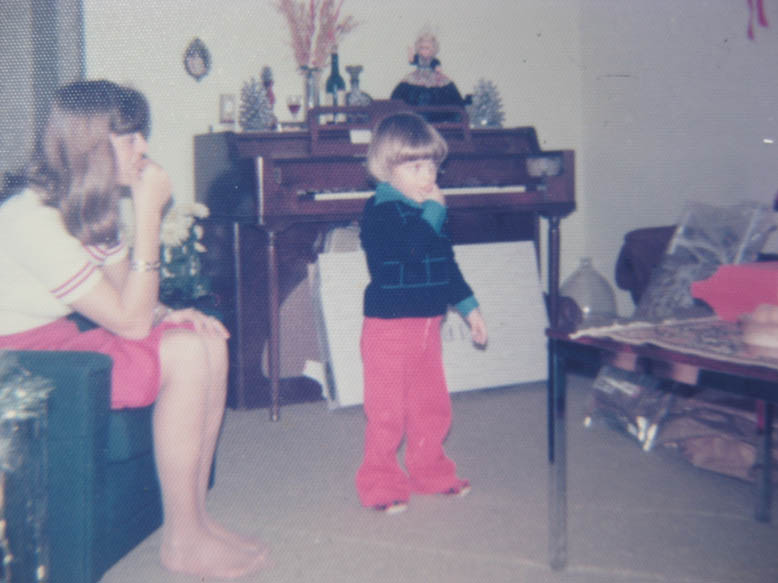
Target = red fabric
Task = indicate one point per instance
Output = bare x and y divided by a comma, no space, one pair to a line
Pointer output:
756,13
739,289
135,377
405,395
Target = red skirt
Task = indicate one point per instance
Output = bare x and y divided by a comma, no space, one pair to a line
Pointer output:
135,377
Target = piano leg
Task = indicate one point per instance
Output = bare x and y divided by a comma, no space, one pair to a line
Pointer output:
553,270
237,267
273,347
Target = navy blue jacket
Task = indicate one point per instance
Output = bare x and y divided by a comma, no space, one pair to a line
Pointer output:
413,272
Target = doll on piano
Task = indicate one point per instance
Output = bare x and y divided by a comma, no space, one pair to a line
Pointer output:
427,85
424,52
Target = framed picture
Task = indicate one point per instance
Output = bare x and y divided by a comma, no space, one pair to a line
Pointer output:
227,106
197,59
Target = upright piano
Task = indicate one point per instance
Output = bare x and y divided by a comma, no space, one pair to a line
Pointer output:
271,194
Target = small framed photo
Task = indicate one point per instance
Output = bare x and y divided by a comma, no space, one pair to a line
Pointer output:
227,106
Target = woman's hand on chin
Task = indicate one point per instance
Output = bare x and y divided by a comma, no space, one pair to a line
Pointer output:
152,190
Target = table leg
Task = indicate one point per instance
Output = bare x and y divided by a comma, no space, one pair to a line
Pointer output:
273,347
557,457
765,482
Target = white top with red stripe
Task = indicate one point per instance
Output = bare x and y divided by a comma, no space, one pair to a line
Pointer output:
43,268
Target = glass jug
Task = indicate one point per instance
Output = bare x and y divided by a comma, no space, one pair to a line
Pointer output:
592,294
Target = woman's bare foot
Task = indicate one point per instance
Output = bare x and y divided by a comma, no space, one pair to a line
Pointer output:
207,555
250,543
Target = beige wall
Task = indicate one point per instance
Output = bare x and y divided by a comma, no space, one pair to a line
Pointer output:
662,100
530,49
531,59
677,103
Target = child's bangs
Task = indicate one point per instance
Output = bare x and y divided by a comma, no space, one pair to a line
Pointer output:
433,150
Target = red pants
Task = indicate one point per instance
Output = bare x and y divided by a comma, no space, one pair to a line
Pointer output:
405,395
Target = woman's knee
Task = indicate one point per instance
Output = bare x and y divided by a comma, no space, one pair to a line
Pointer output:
218,356
184,351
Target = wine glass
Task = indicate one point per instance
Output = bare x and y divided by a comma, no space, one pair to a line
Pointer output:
294,102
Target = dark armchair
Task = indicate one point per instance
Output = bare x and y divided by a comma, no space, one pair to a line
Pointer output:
103,493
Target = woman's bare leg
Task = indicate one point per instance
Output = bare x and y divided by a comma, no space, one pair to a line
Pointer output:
186,418
216,350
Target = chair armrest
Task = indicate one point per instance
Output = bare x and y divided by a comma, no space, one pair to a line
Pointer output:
81,399
78,415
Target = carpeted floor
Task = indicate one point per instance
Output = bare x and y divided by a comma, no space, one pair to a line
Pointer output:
634,517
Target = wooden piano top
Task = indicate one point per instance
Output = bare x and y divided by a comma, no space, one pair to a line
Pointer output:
284,177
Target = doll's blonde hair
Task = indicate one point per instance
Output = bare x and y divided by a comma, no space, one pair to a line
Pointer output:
426,34
403,137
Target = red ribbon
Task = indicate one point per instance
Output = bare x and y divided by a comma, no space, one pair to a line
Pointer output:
756,12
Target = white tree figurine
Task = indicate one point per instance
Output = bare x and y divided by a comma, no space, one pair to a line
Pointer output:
486,108
256,111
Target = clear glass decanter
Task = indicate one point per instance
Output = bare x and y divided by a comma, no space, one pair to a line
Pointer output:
592,293
356,96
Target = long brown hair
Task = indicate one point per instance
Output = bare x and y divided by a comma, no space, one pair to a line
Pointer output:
74,165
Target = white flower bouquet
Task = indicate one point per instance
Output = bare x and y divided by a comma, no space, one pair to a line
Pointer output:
181,278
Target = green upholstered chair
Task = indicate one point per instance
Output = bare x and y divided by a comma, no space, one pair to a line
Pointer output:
103,492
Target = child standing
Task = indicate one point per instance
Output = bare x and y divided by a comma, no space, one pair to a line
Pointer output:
413,279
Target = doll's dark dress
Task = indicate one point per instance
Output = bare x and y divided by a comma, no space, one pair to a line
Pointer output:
427,86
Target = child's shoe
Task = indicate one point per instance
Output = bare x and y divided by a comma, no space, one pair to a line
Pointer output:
460,489
391,508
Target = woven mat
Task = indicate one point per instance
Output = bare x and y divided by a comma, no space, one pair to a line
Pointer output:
708,337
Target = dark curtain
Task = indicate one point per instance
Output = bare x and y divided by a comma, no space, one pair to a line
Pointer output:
41,47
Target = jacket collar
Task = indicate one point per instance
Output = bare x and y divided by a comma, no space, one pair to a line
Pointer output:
385,192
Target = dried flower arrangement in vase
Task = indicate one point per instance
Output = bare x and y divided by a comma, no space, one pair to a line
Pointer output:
315,26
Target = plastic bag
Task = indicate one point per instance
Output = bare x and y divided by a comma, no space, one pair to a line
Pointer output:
706,237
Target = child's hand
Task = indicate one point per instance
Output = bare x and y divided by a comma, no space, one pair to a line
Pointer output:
477,327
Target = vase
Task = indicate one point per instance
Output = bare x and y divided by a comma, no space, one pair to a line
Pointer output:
356,97
592,294
311,76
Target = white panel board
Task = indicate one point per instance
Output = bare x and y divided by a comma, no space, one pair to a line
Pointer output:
505,280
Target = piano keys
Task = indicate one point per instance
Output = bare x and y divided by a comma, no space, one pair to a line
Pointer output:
278,178
449,191
261,187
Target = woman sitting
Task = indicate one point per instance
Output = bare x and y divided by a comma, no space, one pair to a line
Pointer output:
60,253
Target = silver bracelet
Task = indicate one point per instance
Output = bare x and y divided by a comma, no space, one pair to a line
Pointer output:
137,265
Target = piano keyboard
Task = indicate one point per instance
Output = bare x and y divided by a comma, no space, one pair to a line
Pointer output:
357,194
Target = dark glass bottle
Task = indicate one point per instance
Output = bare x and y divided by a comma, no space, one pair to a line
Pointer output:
335,86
